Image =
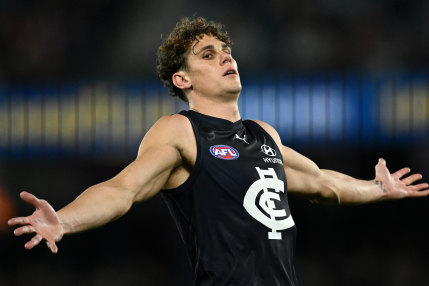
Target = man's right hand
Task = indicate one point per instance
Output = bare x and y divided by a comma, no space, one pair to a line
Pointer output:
44,223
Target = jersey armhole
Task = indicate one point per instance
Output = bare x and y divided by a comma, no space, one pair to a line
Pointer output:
198,161
262,129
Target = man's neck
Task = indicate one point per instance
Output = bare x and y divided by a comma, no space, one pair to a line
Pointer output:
225,110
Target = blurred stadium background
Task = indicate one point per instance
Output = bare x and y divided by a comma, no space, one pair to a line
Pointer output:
344,82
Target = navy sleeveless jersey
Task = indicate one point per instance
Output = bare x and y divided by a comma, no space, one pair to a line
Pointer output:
232,212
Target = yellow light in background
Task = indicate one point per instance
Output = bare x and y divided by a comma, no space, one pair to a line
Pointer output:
4,125
92,114
404,110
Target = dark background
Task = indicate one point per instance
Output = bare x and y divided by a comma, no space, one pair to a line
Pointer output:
52,42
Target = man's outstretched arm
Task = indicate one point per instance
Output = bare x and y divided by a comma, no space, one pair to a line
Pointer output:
306,179
327,186
158,155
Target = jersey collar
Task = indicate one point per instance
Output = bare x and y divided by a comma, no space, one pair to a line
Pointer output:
218,123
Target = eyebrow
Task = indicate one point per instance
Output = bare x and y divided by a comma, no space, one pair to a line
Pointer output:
211,47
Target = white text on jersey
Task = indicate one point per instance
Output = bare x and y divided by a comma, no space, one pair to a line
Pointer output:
273,160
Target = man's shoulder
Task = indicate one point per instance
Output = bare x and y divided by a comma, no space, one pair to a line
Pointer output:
269,129
170,129
172,121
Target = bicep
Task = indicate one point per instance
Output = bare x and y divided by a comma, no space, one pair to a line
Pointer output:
146,176
303,175
307,180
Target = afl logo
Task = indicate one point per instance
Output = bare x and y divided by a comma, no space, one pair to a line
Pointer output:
224,152
268,150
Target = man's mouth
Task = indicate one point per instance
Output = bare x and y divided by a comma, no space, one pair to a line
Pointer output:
230,72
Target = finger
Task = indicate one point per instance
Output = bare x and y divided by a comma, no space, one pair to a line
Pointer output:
33,242
419,187
18,220
420,193
382,161
411,179
400,173
29,198
44,205
24,229
381,165
52,246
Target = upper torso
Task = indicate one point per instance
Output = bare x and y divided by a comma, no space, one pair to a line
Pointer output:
229,201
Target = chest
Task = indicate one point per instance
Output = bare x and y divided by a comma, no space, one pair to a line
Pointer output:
233,161
241,175
239,151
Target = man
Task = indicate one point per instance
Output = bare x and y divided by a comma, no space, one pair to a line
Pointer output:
223,179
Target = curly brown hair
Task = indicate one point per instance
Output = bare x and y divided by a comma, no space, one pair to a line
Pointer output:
172,54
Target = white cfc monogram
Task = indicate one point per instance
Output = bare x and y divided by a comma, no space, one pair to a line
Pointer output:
271,187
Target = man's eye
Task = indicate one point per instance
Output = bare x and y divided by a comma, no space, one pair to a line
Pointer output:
208,56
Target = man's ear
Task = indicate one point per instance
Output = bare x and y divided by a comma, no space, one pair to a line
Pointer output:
181,80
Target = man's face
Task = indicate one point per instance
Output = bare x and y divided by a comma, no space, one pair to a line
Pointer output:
212,70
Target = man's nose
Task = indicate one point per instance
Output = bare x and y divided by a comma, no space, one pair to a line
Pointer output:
226,58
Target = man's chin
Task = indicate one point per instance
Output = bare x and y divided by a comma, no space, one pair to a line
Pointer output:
236,89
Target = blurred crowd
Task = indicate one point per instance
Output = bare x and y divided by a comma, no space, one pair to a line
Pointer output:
50,40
